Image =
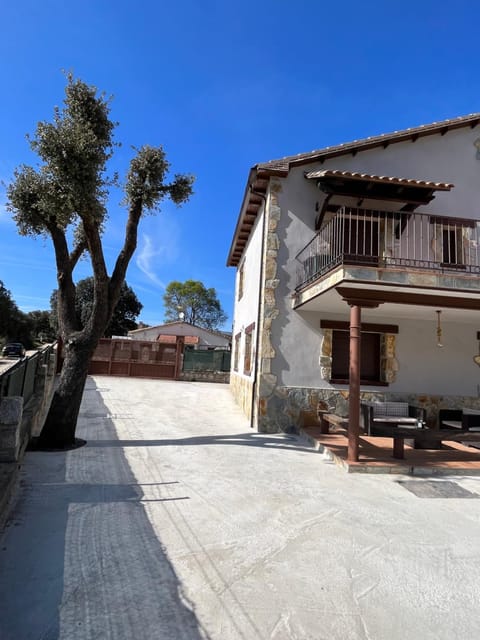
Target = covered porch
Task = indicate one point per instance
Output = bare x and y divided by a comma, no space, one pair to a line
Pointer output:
368,297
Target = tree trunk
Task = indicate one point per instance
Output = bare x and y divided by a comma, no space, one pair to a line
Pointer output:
59,429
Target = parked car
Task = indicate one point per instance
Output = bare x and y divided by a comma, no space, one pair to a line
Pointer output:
13,350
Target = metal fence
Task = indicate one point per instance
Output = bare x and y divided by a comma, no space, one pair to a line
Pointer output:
206,360
391,239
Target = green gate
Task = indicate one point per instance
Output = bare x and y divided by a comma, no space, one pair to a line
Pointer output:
206,360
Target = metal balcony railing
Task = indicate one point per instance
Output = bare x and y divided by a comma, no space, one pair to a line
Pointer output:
391,239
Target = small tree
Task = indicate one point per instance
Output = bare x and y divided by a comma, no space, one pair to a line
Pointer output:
42,328
15,326
124,315
68,192
8,311
199,305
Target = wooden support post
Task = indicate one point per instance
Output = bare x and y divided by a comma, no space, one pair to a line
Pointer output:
398,448
354,383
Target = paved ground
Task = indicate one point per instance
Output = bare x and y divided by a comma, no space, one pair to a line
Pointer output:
176,521
6,363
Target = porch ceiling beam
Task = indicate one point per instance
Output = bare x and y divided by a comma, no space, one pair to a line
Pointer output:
369,297
367,327
423,197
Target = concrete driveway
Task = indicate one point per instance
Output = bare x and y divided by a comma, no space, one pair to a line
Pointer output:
176,521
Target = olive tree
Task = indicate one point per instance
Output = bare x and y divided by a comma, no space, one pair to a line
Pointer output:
65,198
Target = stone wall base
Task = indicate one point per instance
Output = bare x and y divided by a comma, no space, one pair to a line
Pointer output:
205,376
287,408
242,389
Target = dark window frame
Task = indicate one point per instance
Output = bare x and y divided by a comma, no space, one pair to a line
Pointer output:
370,358
236,354
248,349
241,281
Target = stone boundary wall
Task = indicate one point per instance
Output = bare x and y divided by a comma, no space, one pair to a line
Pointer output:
19,422
205,376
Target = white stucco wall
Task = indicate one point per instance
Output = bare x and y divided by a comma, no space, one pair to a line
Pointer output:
246,308
296,336
180,329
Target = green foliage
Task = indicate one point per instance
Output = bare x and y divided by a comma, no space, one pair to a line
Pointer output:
124,315
8,311
43,330
75,148
199,305
15,326
146,180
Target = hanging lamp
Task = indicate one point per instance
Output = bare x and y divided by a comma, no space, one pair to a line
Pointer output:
439,330
476,358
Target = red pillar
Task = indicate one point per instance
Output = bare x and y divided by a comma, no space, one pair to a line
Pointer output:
354,383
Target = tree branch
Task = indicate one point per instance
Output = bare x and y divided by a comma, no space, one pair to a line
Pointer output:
128,249
77,252
66,289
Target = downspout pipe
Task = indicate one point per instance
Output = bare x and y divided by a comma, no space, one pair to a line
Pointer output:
260,292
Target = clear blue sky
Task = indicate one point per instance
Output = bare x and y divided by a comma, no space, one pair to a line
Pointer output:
222,85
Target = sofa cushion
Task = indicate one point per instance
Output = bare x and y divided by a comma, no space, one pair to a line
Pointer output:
390,409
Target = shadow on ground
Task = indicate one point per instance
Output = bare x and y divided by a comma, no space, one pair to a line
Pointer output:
79,558
241,439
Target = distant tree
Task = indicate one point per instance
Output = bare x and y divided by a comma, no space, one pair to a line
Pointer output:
199,305
8,311
41,323
124,315
66,197
15,326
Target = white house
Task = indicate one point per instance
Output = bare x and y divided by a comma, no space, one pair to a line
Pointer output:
382,232
197,336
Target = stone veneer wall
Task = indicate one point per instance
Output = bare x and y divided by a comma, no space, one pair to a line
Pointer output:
242,389
205,376
268,312
284,407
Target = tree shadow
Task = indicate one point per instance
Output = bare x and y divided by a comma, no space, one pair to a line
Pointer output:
288,443
79,557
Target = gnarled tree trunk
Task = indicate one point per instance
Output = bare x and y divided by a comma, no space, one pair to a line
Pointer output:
59,429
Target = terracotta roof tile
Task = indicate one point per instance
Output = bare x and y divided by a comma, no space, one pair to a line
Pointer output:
169,339
283,164
335,173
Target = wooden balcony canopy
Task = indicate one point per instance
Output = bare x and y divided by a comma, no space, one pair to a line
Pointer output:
365,186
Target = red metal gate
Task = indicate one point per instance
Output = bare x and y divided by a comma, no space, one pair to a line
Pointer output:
137,358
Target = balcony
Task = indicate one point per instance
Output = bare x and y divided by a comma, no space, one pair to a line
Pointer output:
391,241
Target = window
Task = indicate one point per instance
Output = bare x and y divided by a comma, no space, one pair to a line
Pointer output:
369,357
236,352
378,364
240,281
247,362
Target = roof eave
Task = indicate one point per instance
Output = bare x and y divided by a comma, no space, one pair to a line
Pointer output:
255,192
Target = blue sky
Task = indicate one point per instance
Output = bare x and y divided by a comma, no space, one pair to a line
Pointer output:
221,85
